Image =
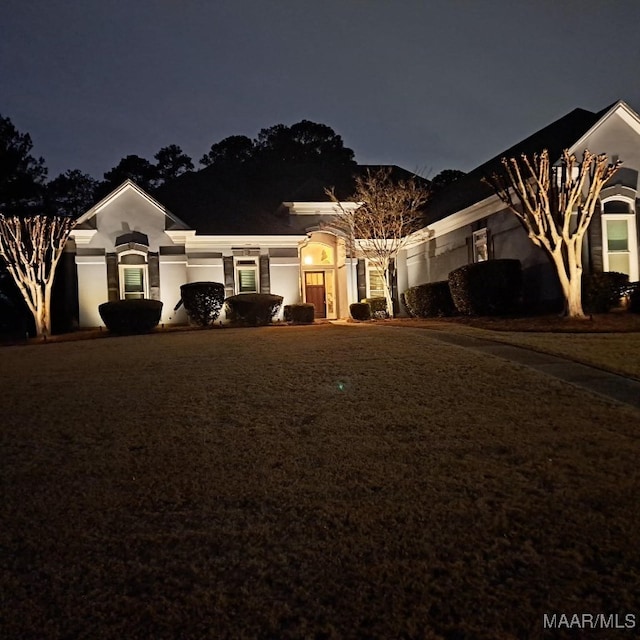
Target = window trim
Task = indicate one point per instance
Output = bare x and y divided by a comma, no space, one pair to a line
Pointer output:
122,267
633,241
371,269
475,236
251,265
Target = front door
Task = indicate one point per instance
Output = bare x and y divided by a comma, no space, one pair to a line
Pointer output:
315,292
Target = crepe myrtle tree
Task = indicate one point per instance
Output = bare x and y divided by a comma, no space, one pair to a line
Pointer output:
31,247
555,204
378,221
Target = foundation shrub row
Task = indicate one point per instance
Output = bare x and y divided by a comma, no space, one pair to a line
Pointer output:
202,301
131,316
601,292
302,313
432,300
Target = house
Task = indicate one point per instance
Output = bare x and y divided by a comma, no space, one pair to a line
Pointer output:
468,223
207,226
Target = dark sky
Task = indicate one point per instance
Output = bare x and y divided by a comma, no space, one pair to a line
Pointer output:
423,84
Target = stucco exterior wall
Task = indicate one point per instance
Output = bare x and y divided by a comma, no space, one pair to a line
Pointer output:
173,273
92,289
448,252
417,265
285,280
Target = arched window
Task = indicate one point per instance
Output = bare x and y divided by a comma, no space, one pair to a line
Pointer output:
619,241
134,275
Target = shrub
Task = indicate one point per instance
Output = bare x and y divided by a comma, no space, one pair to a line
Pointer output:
303,313
430,300
131,316
634,297
378,307
252,309
487,288
601,292
360,311
202,301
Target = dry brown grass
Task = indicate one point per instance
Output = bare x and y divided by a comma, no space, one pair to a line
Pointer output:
309,482
610,341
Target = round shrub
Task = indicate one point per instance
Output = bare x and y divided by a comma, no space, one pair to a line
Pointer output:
601,292
493,287
302,313
131,316
360,311
202,301
252,309
378,307
431,300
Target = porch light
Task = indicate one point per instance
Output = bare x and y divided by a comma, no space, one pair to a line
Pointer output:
308,260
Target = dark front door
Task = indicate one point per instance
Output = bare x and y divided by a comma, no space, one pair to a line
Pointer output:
315,292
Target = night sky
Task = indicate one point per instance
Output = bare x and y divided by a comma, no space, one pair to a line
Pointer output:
427,85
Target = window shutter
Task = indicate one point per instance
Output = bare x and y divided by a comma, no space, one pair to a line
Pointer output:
393,272
265,280
113,286
229,284
154,276
361,274
594,231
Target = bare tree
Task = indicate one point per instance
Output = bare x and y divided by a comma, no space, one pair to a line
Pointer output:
378,225
31,247
555,205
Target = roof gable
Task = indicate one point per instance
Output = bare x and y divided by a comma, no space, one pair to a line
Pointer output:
557,136
127,188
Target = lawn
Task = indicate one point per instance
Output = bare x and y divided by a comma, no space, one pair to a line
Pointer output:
307,482
610,342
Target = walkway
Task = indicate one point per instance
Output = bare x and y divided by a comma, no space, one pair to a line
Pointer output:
610,385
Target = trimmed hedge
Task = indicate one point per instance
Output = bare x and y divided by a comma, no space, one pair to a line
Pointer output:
493,287
634,297
131,316
302,313
378,307
431,300
202,301
252,309
360,311
601,292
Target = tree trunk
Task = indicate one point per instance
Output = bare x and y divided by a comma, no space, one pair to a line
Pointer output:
571,284
387,291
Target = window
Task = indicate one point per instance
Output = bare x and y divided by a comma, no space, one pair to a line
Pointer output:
133,276
133,282
618,245
480,246
376,284
246,276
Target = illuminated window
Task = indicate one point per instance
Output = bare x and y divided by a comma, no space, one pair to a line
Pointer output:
246,276
133,282
480,246
619,243
376,284
133,276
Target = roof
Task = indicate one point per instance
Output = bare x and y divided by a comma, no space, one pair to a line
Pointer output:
555,137
220,201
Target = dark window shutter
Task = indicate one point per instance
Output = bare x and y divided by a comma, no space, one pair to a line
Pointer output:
265,279
362,279
594,233
154,276
393,272
113,287
229,283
